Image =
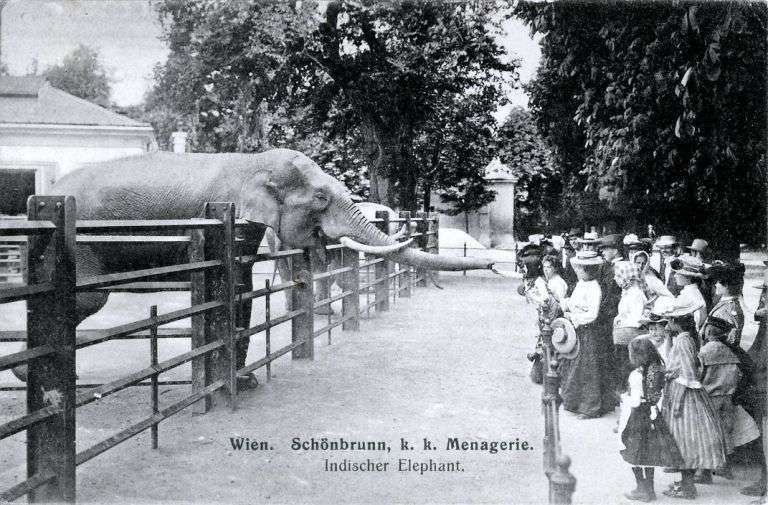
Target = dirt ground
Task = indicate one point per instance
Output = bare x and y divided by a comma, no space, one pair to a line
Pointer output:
442,364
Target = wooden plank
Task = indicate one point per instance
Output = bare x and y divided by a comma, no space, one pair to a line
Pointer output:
18,293
220,286
137,428
196,252
21,335
51,322
405,283
303,298
269,359
350,305
31,227
101,226
99,336
422,227
331,299
99,281
24,422
271,323
11,360
148,287
25,487
131,239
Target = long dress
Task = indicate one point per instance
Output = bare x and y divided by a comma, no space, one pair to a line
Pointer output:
583,388
688,410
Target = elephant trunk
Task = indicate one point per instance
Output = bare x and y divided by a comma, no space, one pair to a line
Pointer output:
363,231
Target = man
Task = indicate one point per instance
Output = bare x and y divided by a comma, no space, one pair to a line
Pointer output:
667,247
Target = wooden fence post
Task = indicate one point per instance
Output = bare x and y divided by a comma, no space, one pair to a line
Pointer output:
382,269
303,298
220,285
350,305
196,252
422,226
51,322
405,292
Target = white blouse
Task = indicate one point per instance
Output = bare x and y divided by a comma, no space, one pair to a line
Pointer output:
558,288
584,303
538,293
688,301
631,306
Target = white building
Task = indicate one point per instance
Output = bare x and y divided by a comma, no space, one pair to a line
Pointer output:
46,133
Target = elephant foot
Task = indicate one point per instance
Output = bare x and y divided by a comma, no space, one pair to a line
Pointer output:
325,310
20,372
245,382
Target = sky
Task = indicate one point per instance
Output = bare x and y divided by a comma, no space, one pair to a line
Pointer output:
126,34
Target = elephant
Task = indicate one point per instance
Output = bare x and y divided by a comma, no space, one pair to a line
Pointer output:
281,189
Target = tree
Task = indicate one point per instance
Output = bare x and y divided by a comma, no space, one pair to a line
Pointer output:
395,64
668,106
523,150
82,75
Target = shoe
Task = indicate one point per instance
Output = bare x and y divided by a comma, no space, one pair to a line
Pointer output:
678,491
725,473
247,382
756,489
703,478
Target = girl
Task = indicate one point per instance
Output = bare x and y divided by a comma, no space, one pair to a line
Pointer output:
688,272
688,411
626,324
644,435
555,283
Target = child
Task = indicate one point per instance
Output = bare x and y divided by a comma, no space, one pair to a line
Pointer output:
645,436
688,411
719,377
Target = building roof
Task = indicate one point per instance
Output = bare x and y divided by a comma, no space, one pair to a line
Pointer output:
31,100
496,170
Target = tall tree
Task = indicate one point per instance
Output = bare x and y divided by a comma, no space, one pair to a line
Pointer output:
395,64
664,106
81,74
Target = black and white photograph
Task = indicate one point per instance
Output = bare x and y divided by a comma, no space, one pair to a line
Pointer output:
384,252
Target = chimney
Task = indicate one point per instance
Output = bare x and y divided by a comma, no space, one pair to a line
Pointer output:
179,140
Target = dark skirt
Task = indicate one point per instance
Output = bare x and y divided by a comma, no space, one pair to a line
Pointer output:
586,380
649,442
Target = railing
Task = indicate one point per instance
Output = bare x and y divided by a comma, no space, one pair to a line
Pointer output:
556,464
219,266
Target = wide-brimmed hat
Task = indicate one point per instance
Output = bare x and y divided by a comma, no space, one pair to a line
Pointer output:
564,338
651,318
589,238
586,258
631,239
727,274
665,241
698,244
688,266
614,240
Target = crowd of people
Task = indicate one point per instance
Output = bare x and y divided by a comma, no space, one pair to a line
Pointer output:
663,343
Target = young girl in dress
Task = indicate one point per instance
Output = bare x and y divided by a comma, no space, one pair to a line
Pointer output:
687,409
644,435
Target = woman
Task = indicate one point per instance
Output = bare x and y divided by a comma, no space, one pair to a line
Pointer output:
586,380
550,264
729,281
653,285
688,272
687,409
626,324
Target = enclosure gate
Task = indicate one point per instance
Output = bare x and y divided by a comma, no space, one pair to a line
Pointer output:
221,292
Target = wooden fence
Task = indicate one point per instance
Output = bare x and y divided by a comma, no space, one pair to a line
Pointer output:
219,296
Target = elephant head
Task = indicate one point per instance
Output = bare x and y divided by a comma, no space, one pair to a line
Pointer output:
305,207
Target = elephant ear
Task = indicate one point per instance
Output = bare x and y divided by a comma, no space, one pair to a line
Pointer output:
261,203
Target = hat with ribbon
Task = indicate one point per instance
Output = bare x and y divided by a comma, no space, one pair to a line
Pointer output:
728,274
589,238
586,258
698,244
665,241
564,338
688,266
651,318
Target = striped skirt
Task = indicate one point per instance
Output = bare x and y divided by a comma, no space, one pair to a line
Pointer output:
692,421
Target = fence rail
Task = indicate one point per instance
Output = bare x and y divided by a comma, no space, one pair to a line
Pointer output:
220,252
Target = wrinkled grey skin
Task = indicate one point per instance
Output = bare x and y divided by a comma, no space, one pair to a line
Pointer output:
281,188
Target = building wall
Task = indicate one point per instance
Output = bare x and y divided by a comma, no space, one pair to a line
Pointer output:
56,151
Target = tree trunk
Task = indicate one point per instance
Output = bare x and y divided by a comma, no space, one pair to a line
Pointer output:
427,196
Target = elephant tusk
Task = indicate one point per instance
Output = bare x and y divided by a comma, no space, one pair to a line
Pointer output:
378,250
400,234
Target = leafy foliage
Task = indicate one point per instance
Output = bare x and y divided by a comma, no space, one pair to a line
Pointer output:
82,75
658,110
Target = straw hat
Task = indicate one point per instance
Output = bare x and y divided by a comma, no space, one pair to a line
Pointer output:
698,244
586,258
589,238
651,318
564,338
688,266
665,241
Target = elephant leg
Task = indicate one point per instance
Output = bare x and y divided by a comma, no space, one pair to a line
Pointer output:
323,286
243,320
88,264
